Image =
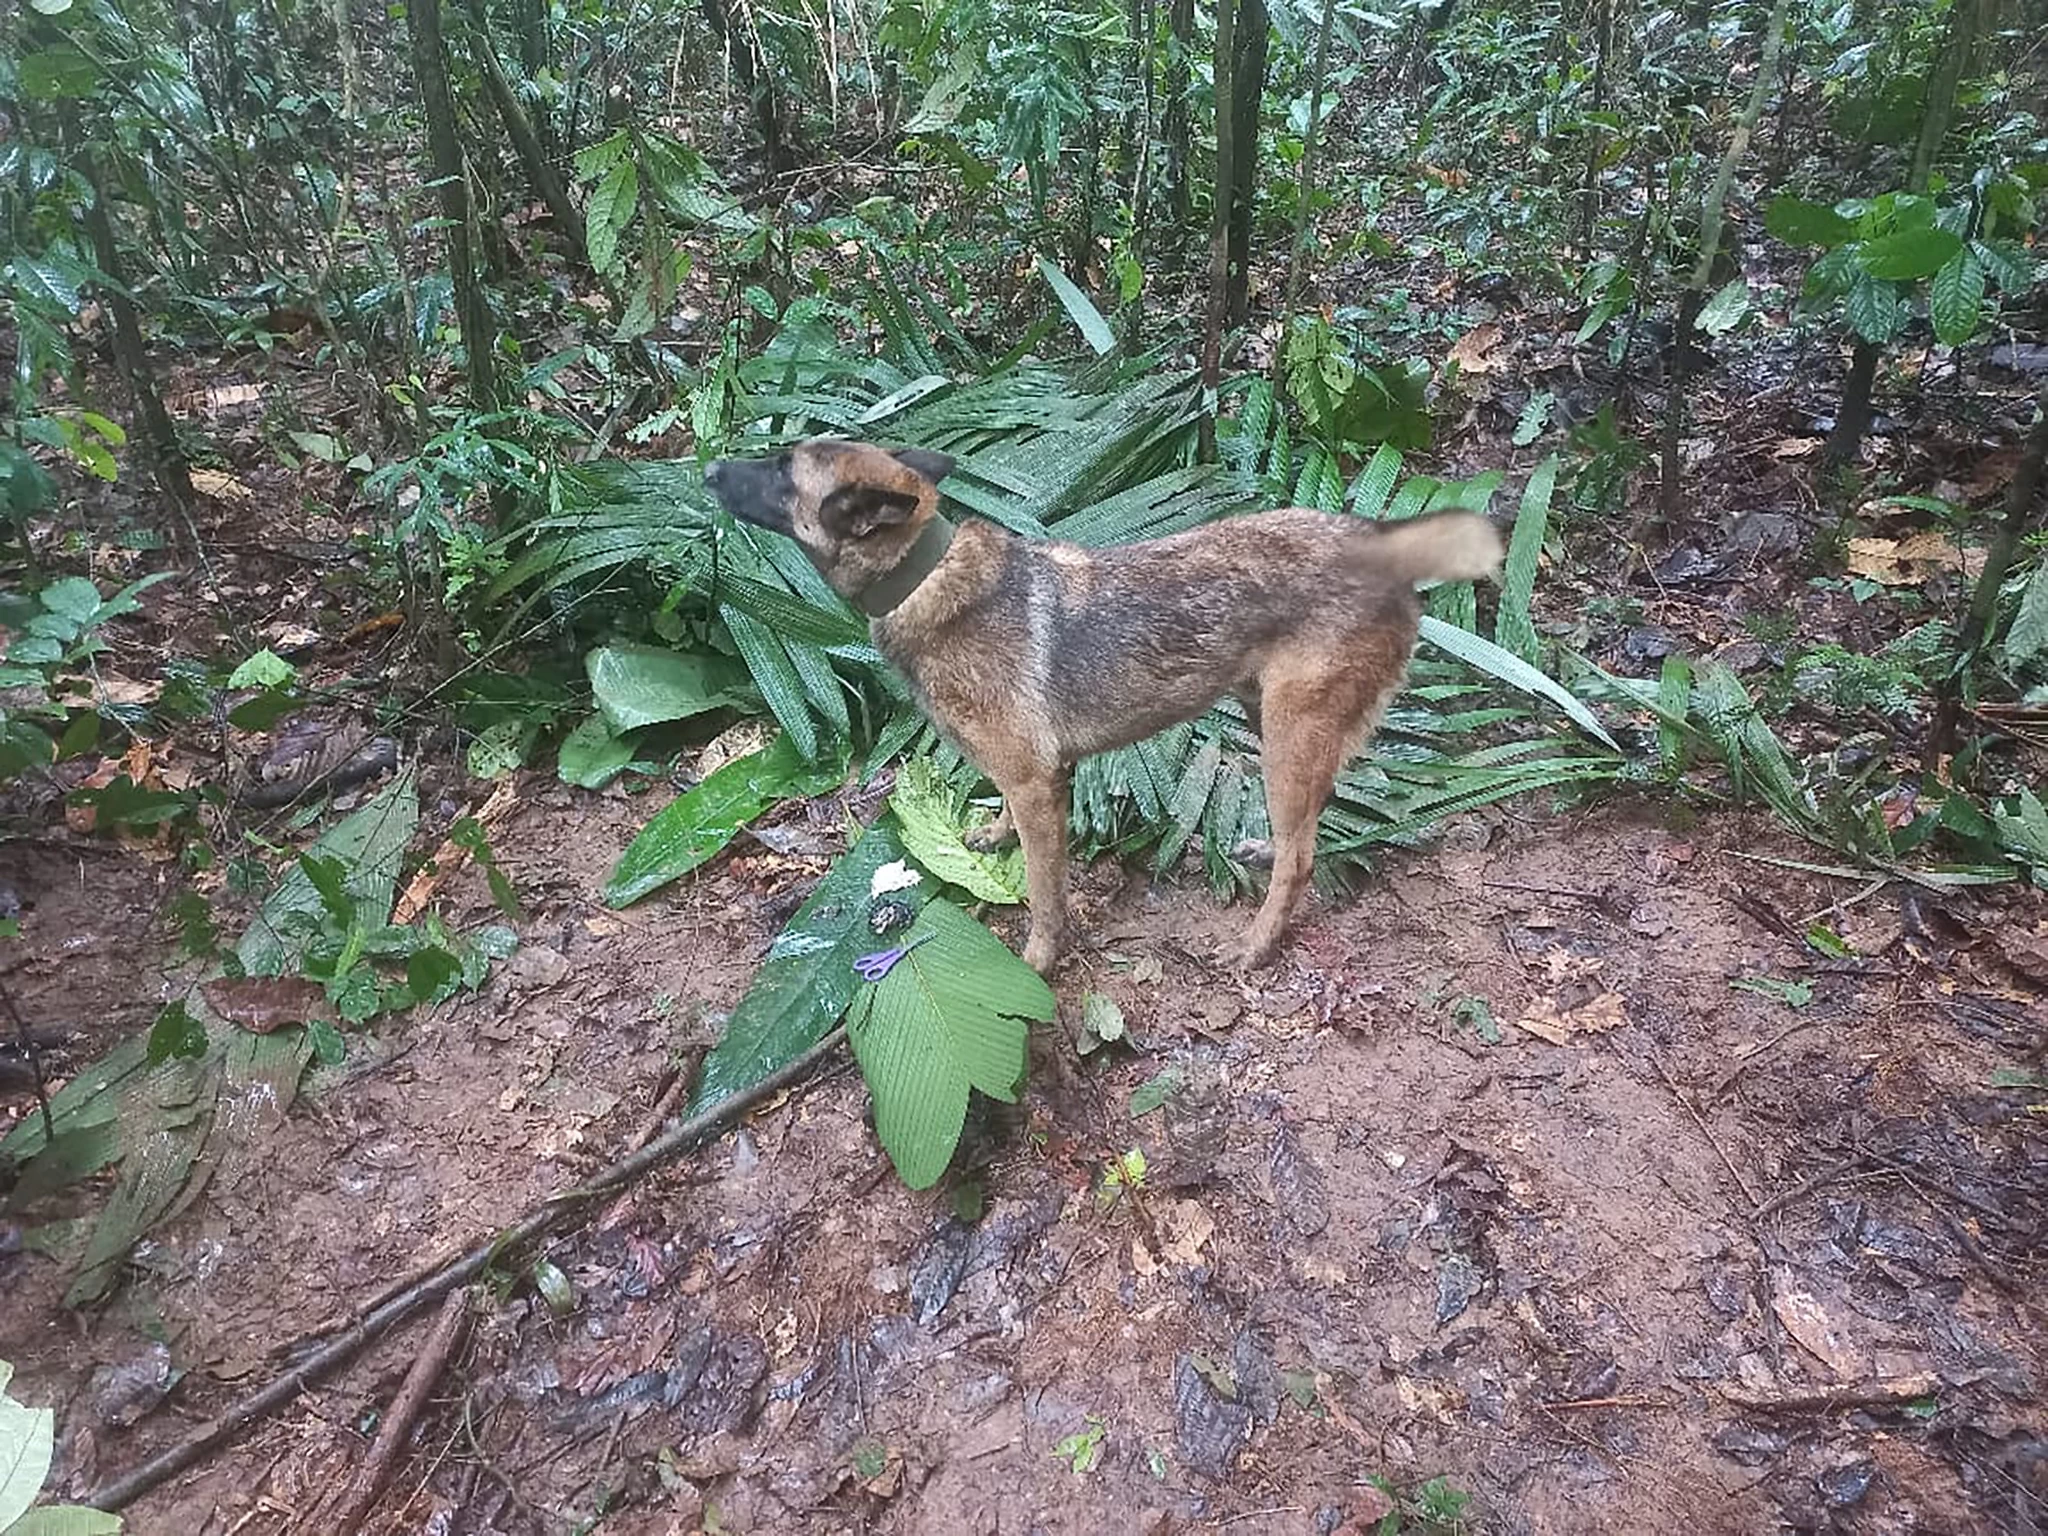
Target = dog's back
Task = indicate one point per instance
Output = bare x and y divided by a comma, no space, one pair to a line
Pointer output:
1140,636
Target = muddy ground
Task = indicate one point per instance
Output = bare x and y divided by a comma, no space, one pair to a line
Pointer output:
1384,1231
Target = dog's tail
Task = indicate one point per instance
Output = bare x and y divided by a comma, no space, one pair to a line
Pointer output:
1445,546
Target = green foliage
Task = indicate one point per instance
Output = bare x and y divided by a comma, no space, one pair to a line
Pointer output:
948,1017
56,631
27,1445
808,979
927,817
698,823
1875,251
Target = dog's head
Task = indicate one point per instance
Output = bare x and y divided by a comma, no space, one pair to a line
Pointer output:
854,509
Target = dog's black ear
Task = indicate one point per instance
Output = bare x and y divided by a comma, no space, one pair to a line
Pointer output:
932,465
855,511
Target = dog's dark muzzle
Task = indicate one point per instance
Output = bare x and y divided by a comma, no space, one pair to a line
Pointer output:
756,491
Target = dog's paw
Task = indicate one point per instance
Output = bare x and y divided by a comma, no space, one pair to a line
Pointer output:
1249,953
1255,851
1042,954
987,839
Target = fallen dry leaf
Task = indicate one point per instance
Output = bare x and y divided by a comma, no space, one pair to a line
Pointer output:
450,857
1797,447
1817,1333
220,485
1183,1227
265,1004
1473,350
1547,1021
1909,561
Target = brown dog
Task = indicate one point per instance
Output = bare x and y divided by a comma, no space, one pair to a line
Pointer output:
1032,656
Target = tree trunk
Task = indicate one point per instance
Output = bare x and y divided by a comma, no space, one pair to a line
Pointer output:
540,173
1589,193
1845,443
159,433
1305,187
1082,247
1180,47
2020,500
444,147
1219,229
1956,48
1713,208
1132,320
757,81
1247,93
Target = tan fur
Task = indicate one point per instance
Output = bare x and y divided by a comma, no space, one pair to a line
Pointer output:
1034,655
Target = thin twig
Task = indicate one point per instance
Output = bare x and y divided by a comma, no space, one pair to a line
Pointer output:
1805,1187
1609,1402
1713,1141
1742,1062
35,1062
1847,902
556,1212
395,1428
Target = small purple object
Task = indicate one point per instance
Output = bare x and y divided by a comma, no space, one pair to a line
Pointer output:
874,967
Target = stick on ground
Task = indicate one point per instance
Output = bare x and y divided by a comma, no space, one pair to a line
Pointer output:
395,1428
559,1211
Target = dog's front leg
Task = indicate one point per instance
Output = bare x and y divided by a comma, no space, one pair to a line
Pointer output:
1038,808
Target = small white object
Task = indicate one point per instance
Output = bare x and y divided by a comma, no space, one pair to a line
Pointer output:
893,876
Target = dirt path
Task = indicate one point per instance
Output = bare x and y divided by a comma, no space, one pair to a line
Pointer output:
1368,1241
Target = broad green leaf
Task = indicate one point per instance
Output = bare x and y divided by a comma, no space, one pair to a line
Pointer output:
610,210
1148,1096
1514,629
808,978
1798,222
370,845
66,1520
637,685
1955,299
1726,309
497,751
2028,637
1874,310
949,1017
1906,255
591,756
1094,329
55,73
1515,672
694,826
594,160
265,669
75,597
927,818
27,1439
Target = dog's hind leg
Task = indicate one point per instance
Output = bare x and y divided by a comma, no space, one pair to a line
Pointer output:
1317,709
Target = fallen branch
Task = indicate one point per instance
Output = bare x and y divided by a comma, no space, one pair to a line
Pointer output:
557,1212
1891,1393
395,1428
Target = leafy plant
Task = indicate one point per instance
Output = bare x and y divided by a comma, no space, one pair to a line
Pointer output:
1874,252
27,1443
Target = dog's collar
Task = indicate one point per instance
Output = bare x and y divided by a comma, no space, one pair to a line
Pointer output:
886,595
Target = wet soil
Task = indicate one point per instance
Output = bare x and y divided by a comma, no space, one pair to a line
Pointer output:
1384,1230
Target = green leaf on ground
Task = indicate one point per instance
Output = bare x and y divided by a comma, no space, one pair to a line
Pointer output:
694,826
950,1017
927,814
808,978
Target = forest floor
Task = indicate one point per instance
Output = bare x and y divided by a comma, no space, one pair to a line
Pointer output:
1554,1165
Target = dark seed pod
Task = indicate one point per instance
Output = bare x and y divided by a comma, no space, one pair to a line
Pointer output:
890,914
